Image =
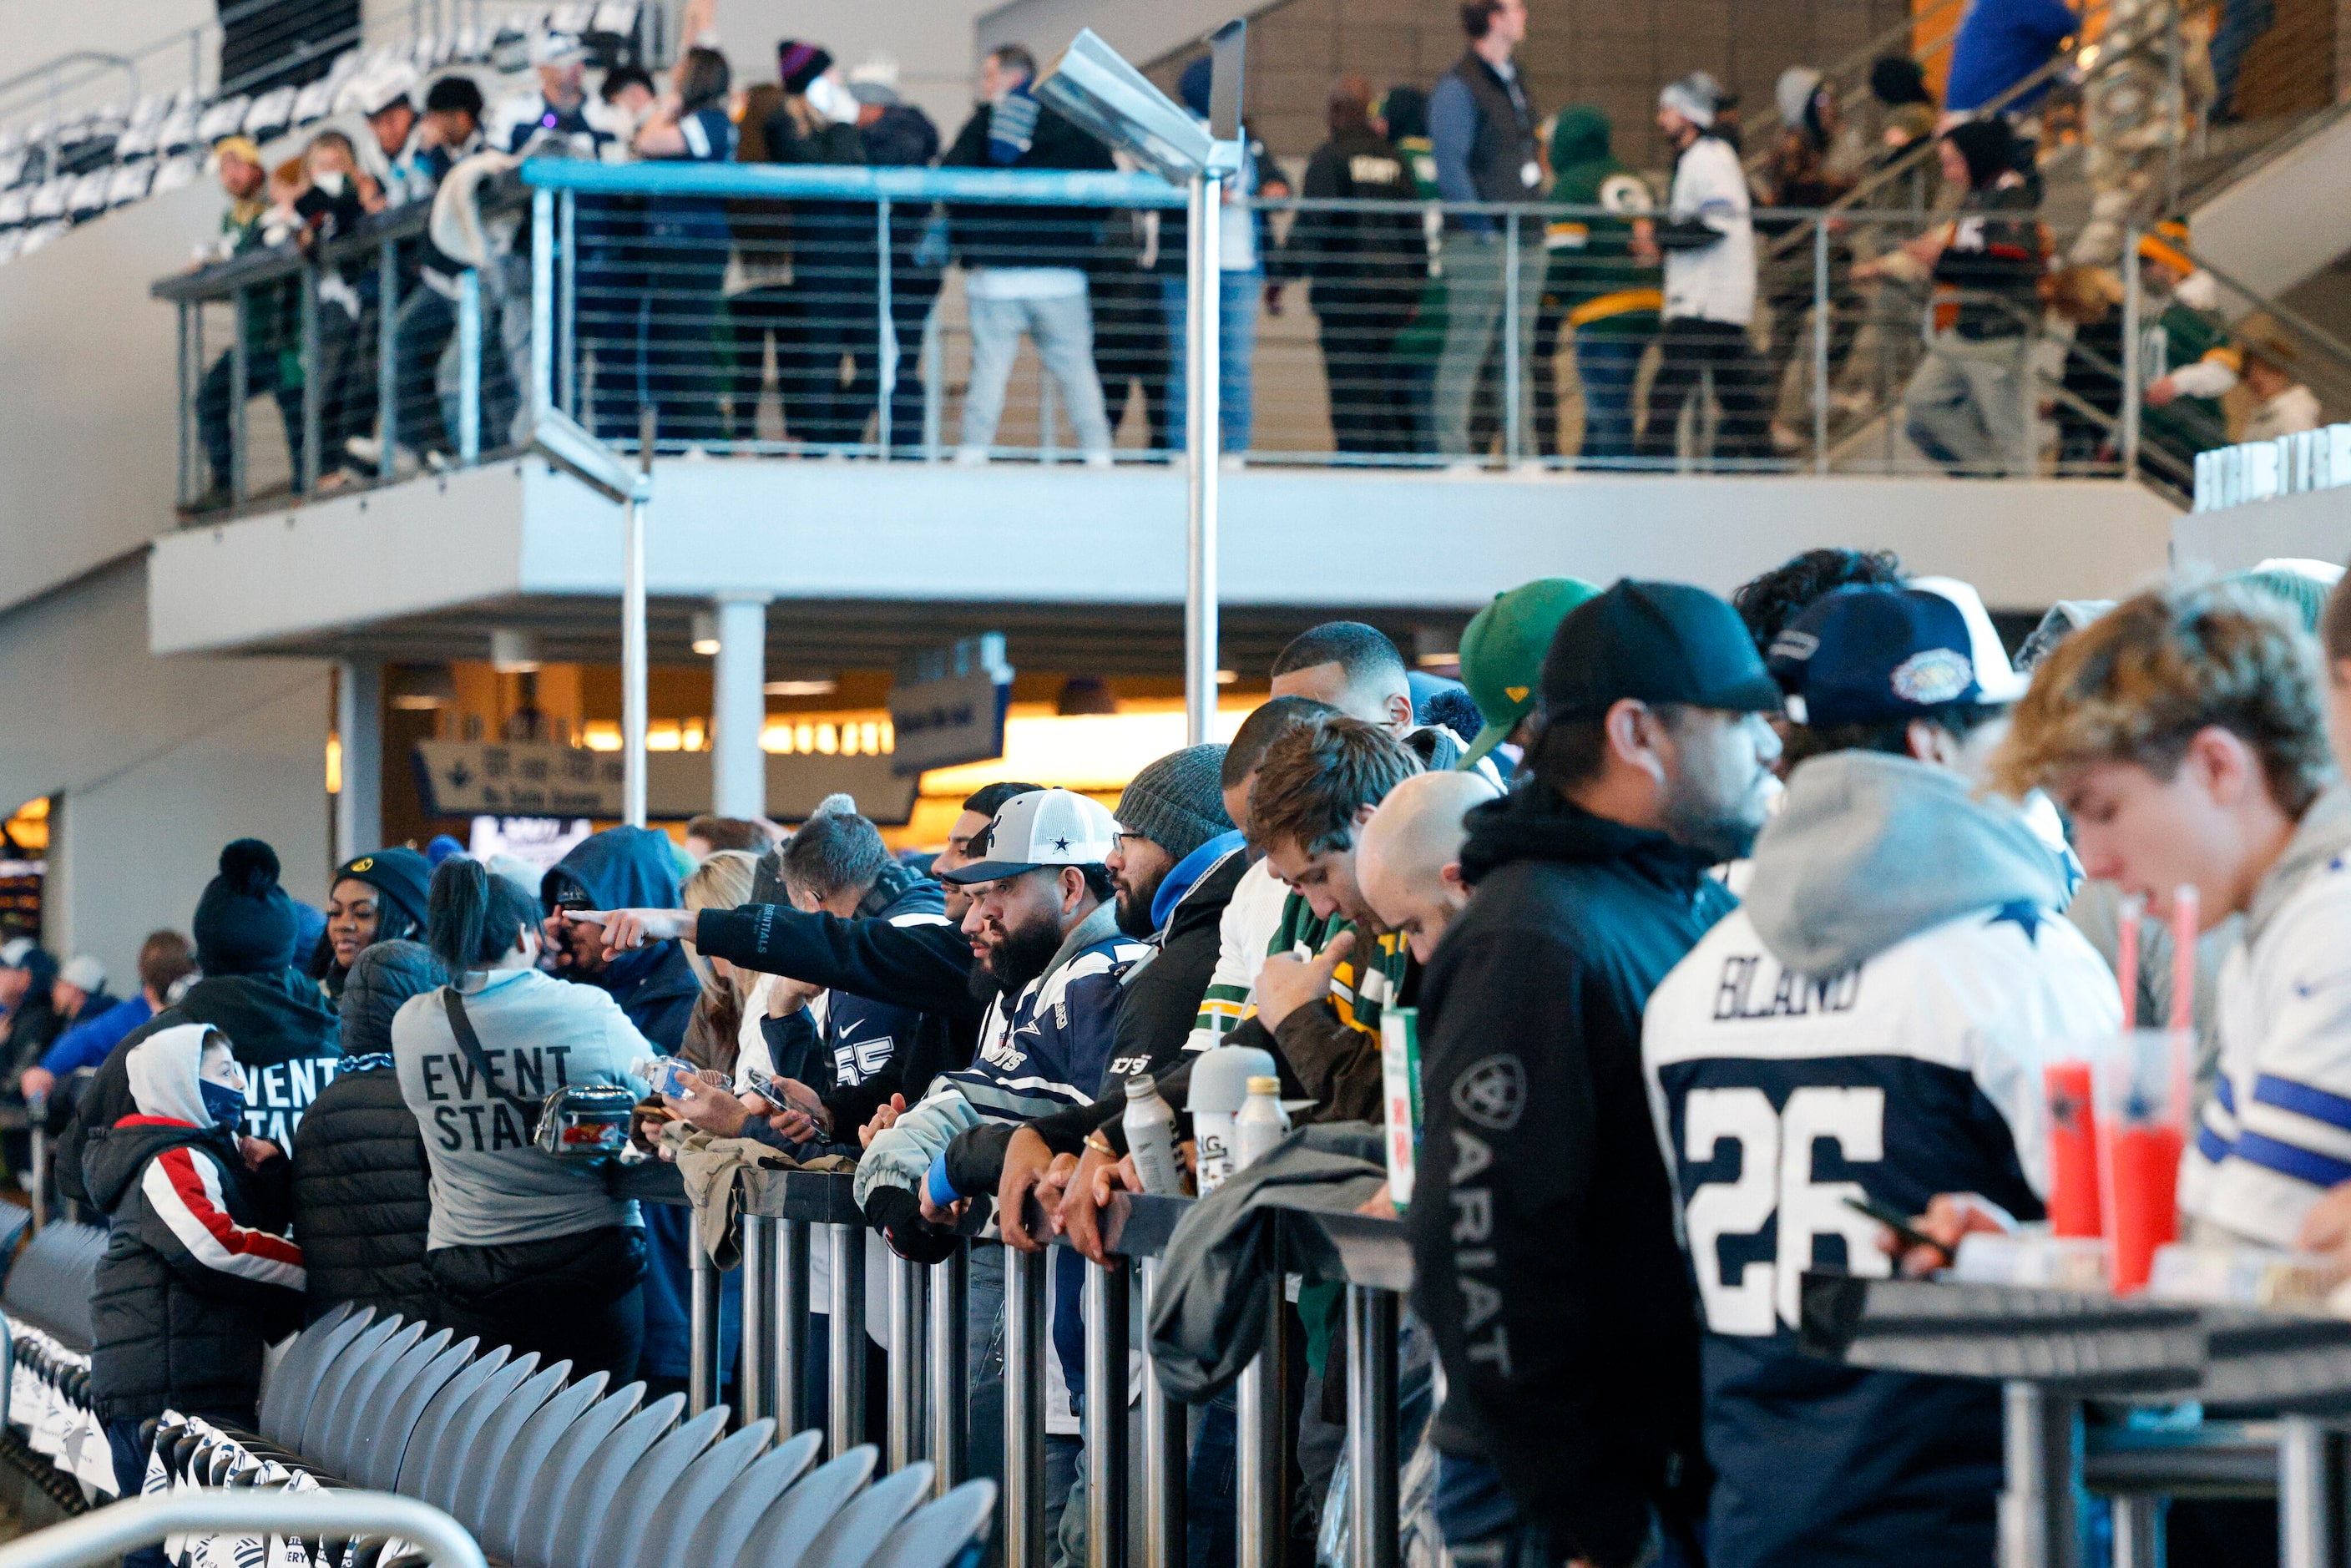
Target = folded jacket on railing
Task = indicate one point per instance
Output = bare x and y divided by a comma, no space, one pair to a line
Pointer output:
1222,1270
713,1171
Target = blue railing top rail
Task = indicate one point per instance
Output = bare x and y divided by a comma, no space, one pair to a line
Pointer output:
1027,187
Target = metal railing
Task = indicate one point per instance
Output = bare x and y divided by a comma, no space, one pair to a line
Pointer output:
970,314
1134,1501
107,1533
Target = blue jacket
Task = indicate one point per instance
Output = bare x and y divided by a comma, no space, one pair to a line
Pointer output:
1999,43
88,1043
632,868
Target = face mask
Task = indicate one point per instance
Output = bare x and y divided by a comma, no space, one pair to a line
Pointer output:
833,100
330,182
227,1106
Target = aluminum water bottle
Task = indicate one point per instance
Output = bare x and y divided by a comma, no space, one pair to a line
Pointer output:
1262,1122
1150,1126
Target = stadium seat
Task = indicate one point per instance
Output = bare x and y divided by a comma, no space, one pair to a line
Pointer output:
651,1534
459,1481
587,1494
376,1460
327,1434
936,1533
549,1483
713,1533
603,1526
334,1377
864,1521
782,1533
285,1397
496,1520
458,1413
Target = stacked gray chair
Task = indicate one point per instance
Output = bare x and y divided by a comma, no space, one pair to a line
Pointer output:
714,1532
936,1535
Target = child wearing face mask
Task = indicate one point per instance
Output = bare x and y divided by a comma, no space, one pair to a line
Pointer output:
199,1272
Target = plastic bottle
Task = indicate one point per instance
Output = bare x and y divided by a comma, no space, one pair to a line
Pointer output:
1219,1086
1260,1123
1150,1125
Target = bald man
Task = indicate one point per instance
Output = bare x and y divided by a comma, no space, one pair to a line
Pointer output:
1409,866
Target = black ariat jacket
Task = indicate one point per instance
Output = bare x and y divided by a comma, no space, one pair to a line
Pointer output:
1542,1220
197,1273
276,1024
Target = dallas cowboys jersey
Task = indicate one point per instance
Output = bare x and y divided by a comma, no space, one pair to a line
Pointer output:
1777,1098
2277,1132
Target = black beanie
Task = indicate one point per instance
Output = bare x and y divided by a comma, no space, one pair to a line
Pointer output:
404,878
1988,145
245,922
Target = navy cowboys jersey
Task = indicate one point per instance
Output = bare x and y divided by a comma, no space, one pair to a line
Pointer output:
1777,1098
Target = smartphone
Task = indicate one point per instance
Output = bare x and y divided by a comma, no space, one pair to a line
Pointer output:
759,1083
1898,1223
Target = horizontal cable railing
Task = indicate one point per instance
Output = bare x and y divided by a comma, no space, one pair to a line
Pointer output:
975,314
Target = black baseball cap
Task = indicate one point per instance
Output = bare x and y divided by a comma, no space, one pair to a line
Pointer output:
1655,642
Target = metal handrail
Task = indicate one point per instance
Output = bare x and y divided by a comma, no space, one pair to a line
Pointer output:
1856,62
108,1532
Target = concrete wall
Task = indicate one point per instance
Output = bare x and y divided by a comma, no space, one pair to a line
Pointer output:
88,408
160,761
2314,525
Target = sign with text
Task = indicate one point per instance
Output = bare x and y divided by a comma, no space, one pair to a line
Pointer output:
527,778
947,705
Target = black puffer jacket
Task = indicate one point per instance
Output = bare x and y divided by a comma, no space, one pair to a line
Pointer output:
362,1191
278,1026
198,1274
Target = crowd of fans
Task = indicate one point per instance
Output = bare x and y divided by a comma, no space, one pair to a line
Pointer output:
1707,280
1718,914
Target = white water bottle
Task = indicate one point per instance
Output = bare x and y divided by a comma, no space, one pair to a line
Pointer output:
1150,1126
1262,1122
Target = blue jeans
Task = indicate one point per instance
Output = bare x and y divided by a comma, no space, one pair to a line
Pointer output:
1210,1518
1484,1529
1236,346
1607,366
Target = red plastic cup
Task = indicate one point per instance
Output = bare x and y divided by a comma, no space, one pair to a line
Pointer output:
2073,1150
2141,1130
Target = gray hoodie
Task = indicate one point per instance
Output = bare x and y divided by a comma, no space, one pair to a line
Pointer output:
1870,849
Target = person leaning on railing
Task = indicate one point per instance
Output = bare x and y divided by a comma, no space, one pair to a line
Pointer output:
526,1250
835,256
685,241
272,361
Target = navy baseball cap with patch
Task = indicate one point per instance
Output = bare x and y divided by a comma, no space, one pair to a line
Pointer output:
1870,655
1653,643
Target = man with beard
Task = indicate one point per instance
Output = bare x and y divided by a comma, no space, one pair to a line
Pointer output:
1175,859
1542,1232
1044,928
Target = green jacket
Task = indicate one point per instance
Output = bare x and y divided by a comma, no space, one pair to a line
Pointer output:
2180,337
1601,289
272,311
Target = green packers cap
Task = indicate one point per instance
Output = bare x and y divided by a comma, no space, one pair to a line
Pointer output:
1502,653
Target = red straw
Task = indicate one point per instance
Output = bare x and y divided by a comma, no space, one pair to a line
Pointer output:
2183,994
2126,959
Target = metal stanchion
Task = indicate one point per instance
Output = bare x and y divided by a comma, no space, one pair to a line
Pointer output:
1822,323
2310,1494
2139,1531
1258,1448
905,1402
755,1393
845,1414
1024,1408
702,1333
1105,1417
469,366
1372,1327
314,388
240,390
2037,1512
1166,1451
387,358
788,1319
40,1173
948,1365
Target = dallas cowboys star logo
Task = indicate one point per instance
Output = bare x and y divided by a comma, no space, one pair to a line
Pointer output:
1061,846
2027,915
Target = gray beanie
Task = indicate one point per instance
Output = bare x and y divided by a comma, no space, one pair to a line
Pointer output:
1177,802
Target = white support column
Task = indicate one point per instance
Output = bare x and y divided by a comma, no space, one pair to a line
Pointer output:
738,707
359,723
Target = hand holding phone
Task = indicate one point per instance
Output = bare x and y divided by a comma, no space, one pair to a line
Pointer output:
1910,1235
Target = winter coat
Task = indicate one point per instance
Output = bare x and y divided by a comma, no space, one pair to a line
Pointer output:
2270,1141
362,1186
1542,1231
1856,1027
1710,238
1358,260
1601,289
197,1274
991,235
363,1195
94,1035
280,1028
